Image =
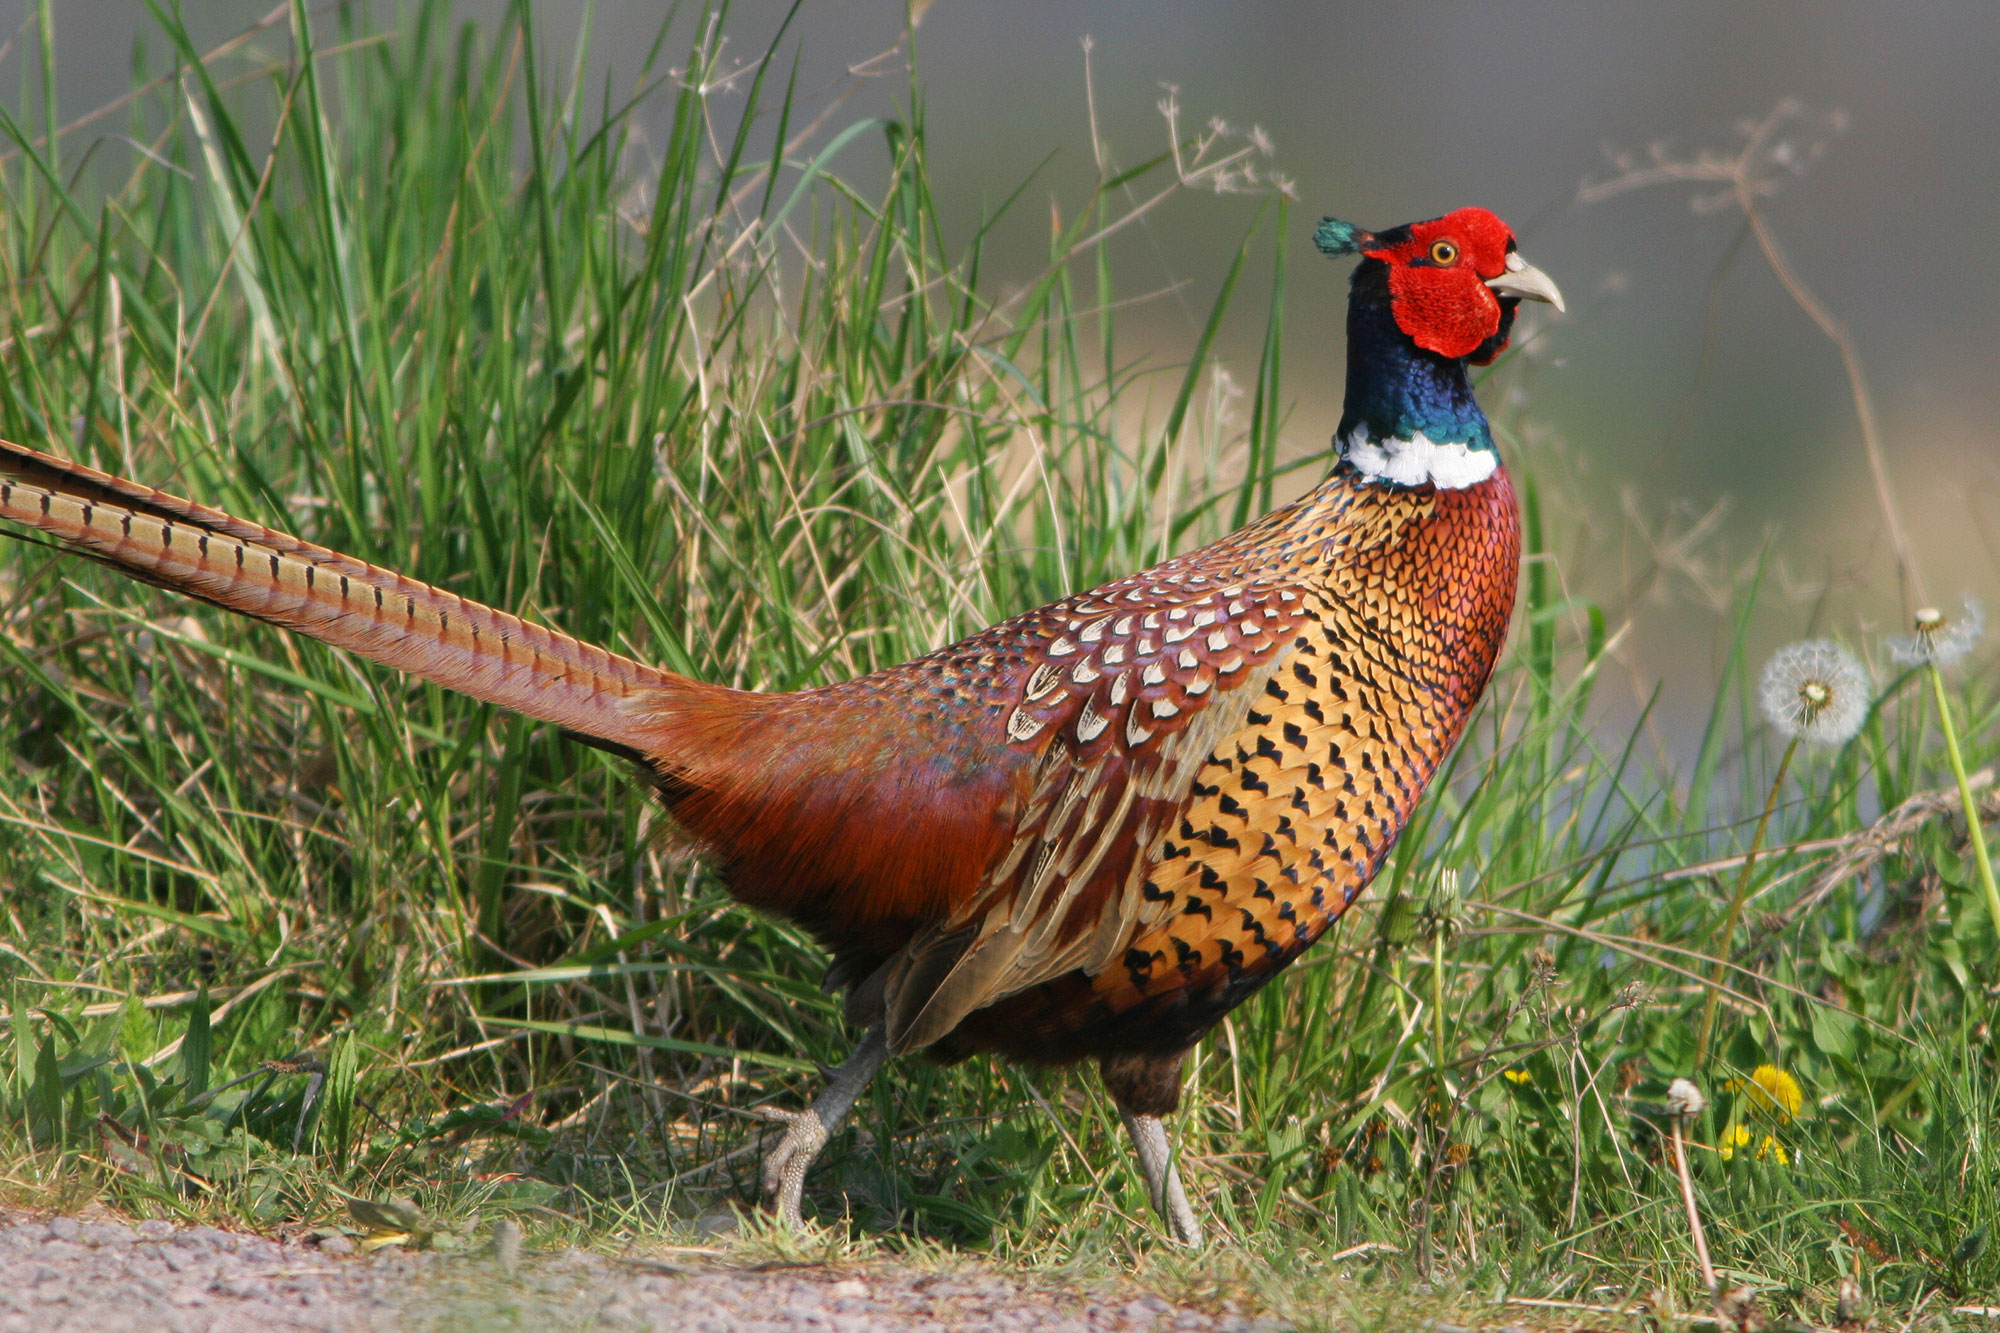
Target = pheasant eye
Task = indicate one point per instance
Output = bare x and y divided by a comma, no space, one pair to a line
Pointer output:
1443,252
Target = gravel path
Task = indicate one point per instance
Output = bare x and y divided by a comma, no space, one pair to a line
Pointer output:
106,1277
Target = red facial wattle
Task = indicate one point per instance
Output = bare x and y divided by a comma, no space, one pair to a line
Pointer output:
1438,274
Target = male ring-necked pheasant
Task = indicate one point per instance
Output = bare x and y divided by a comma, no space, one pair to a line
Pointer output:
1086,833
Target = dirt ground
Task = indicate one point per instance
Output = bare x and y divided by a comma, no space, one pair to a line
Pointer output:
105,1276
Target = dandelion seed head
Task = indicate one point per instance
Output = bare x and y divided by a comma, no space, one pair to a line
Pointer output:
1815,691
1684,1098
1940,637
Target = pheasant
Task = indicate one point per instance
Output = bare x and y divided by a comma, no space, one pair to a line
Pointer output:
1086,833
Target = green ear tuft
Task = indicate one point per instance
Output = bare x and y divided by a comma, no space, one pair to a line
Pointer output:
1335,237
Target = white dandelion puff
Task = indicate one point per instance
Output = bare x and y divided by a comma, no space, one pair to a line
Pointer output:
1815,691
1940,638
1685,1099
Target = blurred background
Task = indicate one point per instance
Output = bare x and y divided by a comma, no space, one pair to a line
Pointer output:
1684,413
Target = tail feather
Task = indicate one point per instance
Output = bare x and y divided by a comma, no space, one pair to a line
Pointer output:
383,616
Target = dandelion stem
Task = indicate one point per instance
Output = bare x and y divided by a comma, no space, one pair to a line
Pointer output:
1693,1212
1437,996
1972,825
1721,944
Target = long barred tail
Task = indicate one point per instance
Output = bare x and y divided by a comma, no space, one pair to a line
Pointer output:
399,622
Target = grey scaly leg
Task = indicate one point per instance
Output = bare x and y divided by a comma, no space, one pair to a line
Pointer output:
1170,1201
807,1131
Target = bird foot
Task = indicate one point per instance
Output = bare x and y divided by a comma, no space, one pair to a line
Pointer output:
1179,1215
1163,1182
785,1166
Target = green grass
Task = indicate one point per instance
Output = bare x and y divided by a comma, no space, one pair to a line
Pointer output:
407,292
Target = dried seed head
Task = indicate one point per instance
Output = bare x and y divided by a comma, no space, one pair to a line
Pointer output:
1737,1310
1684,1099
1940,638
1852,1307
1815,691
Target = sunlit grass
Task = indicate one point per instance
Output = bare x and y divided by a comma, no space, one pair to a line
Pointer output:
413,296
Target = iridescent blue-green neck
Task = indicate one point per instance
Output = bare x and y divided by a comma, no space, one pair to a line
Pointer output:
1395,389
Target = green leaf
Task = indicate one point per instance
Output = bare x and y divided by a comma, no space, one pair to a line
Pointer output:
1952,954
396,1214
45,1093
343,1077
504,1120
1746,1052
520,1195
1833,1031
1672,1048
971,1221
196,1050
1971,1247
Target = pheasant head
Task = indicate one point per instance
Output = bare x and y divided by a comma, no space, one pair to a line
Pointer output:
1428,298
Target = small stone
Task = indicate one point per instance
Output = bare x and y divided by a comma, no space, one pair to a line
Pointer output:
156,1228
337,1245
64,1228
507,1245
852,1286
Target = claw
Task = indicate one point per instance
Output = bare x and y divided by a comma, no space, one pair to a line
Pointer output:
785,1166
806,1132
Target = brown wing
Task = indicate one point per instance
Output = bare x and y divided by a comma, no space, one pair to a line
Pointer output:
1136,685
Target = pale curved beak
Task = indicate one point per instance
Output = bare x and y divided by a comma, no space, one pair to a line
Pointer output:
1524,280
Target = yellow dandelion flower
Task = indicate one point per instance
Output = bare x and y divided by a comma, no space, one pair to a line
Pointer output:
1770,1088
1738,1136
1517,1076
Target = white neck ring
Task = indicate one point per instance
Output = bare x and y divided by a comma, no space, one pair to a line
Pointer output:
1451,466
